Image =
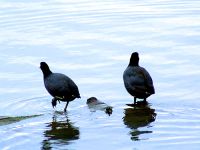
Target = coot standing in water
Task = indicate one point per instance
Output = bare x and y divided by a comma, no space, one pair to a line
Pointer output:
137,80
60,86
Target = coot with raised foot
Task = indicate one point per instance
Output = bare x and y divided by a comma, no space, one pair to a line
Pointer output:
60,86
137,80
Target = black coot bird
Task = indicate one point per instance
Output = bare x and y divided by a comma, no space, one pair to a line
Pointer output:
60,86
137,80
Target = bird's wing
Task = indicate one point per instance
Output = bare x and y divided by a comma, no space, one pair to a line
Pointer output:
137,78
73,88
57,84
133,78
148,80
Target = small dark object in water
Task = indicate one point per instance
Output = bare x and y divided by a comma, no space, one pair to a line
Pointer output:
137,80
60,86
94,101
95,104
108,110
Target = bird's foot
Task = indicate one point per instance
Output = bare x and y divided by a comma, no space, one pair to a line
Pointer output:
132,105
142,103
138,104
54,102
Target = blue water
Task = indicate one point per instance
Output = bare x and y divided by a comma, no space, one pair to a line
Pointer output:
91,42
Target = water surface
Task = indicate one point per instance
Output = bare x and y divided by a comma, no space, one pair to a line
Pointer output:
91,42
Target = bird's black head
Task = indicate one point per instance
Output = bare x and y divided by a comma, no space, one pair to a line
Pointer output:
91,100
45,69
134,60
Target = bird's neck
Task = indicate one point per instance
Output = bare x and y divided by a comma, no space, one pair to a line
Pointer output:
134,63
46,73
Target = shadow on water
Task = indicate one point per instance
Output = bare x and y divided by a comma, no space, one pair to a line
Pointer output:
138,116
5,120
59,133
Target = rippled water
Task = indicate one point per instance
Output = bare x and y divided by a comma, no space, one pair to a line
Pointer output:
91,42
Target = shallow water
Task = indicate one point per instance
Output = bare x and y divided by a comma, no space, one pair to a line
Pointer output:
91,42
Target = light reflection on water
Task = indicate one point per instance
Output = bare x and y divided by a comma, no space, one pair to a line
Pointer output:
59,133
91,42
136,117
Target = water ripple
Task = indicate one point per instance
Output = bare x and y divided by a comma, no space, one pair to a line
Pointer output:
91,42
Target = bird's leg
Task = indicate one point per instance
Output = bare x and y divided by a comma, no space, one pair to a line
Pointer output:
65,109
134,100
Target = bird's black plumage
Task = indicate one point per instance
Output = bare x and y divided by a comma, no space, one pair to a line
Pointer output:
60,86
137,80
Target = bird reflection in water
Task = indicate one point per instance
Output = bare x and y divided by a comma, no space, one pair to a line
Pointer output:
94,104
140,115
59,133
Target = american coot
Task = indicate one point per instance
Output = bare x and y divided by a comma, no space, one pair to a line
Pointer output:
61,87
137,80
